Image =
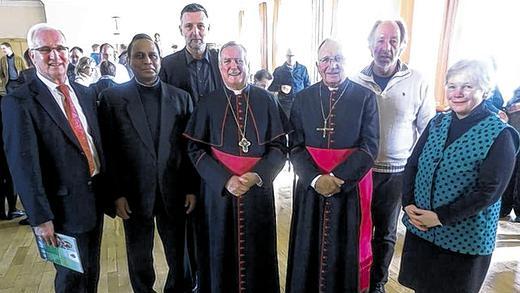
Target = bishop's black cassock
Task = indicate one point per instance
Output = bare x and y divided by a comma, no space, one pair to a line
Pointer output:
237,236
329,248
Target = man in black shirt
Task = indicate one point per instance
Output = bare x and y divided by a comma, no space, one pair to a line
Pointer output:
152,178
194,68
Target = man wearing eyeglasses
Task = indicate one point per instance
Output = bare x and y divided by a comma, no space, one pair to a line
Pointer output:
333,147
405,107
53,149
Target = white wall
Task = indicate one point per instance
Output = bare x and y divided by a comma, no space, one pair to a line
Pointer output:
16,17
88,22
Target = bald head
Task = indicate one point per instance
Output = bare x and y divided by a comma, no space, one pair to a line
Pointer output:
331,63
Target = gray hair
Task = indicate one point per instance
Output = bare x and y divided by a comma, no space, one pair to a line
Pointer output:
232,44
400,25
31,34
478,70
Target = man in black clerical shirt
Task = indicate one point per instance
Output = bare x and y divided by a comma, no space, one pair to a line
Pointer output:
194,68
142,122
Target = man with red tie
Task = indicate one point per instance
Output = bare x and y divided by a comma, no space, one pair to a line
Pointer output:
53,149
236,144
333,146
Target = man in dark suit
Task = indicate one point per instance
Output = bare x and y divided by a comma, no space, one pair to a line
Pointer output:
53,149
142,122
194,68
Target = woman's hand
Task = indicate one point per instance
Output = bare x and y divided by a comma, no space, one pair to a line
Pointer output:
422,219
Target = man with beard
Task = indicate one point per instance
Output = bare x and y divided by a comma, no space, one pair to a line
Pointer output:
405,107
194,68
236,144
333,147
142,123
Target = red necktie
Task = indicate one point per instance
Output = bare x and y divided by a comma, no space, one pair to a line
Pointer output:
77,127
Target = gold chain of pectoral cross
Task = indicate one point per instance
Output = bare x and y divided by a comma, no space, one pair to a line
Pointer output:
326,119
243,143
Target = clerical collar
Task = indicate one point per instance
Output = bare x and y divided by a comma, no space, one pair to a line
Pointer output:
189,57
156,82
237,92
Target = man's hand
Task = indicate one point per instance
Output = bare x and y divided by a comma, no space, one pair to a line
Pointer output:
46,232
249,179
190,202
327,185
122,208
235,186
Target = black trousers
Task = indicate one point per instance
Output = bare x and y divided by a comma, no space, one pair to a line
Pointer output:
386,205
6,187
139,235
511,197
89,244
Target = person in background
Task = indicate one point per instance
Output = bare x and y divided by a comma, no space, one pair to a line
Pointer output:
10,67
263,78
108,72
296,71
95,53
108,53
406,104
85,71
75,54
452,186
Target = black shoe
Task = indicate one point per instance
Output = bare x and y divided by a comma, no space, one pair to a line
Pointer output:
15,214
24,222
378,288
3,216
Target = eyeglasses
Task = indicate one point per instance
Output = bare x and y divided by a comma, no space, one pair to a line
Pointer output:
47,50
329,59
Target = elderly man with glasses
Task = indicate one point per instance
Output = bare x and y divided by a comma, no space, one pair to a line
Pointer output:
53,149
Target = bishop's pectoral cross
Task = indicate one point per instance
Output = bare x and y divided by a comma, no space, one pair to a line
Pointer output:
244,144
325,128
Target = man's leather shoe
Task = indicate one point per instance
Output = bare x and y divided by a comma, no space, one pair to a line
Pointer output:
15,214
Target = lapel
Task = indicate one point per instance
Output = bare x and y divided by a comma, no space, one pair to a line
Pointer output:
46,100
168,115
135,109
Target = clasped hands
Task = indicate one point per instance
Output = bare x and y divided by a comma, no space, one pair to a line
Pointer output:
239,185
422,219
328,185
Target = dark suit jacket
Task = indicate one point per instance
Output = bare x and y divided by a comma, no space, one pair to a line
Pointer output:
49,168
135,169
174,70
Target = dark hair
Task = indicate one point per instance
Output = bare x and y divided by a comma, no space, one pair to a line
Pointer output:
105,45
263,73
193,7
27,58
107,68
77,48
137,38
95,46
6,44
